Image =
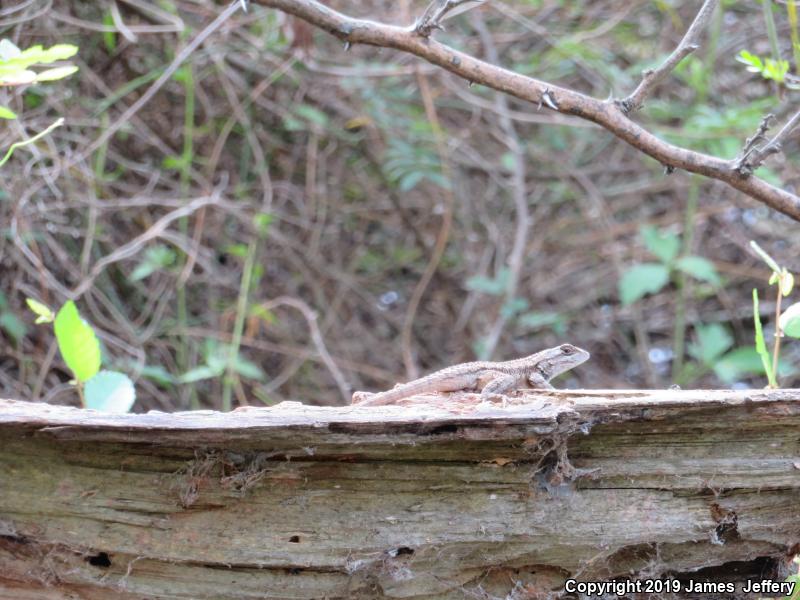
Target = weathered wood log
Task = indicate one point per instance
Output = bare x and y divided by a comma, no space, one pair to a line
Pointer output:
439,498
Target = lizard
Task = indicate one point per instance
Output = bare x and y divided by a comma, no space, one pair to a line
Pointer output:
490,378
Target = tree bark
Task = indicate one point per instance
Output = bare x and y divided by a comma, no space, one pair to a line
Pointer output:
438,498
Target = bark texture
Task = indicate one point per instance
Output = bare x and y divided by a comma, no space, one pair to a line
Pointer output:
438,498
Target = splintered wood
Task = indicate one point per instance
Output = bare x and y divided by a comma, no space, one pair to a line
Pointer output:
436,498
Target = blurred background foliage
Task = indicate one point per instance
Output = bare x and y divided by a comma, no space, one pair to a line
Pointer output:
342,172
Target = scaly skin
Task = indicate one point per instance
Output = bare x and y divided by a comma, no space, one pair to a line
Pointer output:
490,378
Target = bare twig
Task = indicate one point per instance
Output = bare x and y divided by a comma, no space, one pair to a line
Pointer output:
138,243
605,113
652,77
519,193
753,156
316,337
185,53
441,237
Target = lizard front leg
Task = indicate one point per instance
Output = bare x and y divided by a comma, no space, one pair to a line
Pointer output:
495,383
538,382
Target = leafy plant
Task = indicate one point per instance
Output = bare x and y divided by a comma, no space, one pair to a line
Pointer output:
15,66
9,322
790,321
16,69
109,391
768,68
650,278
216,357
517,308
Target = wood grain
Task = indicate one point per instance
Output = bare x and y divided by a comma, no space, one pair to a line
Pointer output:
437,498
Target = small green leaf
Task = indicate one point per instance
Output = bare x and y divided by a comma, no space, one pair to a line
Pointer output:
712,342
539,320
513,306
43,312
198,374
761,345
664,245
738,363
249,369
312,114
8,50
158,374
155,258
753,62
7,113
239,250
12,325
262,221
789,321
109,37
495,286
110,391
640,280
699,268
77,342
787,282
56,73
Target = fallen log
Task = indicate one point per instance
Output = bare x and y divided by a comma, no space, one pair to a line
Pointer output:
436,498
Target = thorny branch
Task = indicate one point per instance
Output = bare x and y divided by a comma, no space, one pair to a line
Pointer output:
606,113
753,156
652,77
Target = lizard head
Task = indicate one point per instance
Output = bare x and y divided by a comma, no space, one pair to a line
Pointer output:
561,359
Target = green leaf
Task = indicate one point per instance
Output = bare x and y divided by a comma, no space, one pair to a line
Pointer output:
787,282
761,345
712,342
43,312
110,391
738,363
109,37
495,286
312,114
664,245
154,258
753,62
12,325
539,320
55,73
699,268
77,342
789,321
640,280
249,369
158,374
8,50
7,113
410,180
198,374
513,306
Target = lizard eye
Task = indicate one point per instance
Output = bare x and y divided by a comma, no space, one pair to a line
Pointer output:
565,349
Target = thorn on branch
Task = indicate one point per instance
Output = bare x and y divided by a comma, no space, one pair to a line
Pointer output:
438,10
752,155
549,99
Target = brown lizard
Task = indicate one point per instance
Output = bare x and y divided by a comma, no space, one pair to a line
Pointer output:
490,378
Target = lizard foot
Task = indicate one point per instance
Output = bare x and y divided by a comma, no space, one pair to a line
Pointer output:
359,397
494,399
